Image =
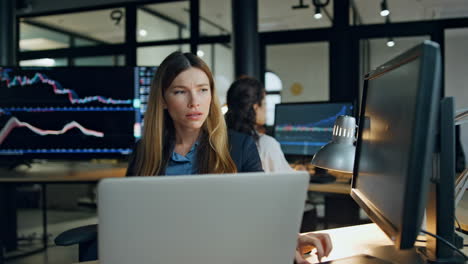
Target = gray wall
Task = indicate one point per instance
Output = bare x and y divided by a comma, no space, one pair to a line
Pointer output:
304,64
456,74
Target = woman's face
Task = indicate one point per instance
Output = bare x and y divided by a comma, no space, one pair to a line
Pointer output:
260,112
188,99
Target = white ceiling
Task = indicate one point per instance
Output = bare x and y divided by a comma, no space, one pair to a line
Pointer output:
274,15
412,10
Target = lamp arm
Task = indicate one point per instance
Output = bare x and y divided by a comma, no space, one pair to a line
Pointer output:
460,115
461,184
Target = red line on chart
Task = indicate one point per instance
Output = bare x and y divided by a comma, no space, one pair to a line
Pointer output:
13,122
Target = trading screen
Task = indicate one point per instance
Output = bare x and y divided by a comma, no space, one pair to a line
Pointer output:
303,128
62,111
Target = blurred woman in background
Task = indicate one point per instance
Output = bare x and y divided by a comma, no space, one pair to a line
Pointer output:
247,114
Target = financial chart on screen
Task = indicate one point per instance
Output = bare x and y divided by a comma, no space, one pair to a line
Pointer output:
303,128
62,111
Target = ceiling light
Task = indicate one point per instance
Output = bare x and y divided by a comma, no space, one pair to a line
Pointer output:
318,14
390,42
384,9
200,53
143,32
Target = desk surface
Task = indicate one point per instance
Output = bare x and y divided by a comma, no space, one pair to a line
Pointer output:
63,173
361,239
368,239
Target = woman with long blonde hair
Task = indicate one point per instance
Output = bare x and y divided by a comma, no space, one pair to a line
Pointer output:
184,128
185,133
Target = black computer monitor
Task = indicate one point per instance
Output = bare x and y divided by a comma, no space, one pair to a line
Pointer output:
69,112
398,130
303,128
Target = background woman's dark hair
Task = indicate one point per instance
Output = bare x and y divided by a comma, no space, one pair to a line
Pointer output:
241,96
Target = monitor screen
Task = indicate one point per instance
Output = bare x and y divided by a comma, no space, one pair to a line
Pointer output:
396,141
71,112
303,128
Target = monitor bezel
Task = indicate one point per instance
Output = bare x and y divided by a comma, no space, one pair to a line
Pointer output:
422,145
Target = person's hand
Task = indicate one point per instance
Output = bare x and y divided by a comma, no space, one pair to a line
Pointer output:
308,241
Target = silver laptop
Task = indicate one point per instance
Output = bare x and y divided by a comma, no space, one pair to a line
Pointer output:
201,219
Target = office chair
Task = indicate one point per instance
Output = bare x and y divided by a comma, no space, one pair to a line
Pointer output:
85,237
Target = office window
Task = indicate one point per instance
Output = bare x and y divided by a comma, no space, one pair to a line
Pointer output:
80,42
223,69
303,69
377,51
163,21
215,17
405,11
206,52
35,37
280,16
219,58
45,62
456,75
105,26
273,82
118,60
153,56
381,52
271,100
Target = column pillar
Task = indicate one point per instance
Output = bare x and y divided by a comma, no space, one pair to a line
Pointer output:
245,38
8,36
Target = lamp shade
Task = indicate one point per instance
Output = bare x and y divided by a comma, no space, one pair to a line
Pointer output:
339,153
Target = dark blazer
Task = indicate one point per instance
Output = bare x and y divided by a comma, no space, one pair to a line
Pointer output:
243,152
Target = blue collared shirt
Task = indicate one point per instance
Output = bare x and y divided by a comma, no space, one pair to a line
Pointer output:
183,165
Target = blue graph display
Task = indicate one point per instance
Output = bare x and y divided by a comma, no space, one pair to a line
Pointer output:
68,112
303,128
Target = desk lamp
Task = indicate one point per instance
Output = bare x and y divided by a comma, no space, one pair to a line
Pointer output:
338,154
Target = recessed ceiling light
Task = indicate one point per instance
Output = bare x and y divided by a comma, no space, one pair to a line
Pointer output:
384,12
143,32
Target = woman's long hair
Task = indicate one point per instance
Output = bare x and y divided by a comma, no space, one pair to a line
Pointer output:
158,137
241,97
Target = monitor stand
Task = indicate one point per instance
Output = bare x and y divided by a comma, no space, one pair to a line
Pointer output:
440,211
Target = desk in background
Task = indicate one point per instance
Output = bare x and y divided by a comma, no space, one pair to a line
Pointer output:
43,174
340,208
338,187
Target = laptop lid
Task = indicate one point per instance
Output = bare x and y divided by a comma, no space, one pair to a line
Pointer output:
225,218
